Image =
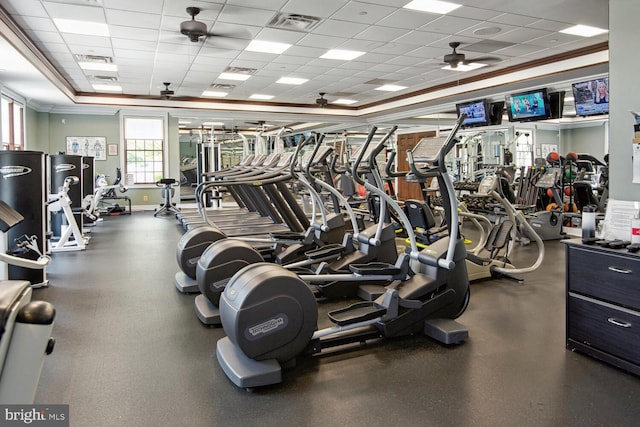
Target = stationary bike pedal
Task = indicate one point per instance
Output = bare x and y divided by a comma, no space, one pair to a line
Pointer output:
619,244
590,240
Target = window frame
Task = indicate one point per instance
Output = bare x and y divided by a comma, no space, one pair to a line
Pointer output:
13,104
123,143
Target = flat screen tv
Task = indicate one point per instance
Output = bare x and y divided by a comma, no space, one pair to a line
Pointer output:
591,97
477,113
528,106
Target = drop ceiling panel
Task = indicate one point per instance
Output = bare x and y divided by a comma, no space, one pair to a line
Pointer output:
420,38
544,24
133,19
132,33
512,19
334,27
209,11
134,6
245,15
395,48
321,9
90,50
362,12
264,4
26,8
70,11
279,36
408,19
450,24
46,37
521,35
289,59
479,13
320,41
304,51
380,33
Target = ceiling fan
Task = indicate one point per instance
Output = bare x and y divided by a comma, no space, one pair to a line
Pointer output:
197,31
322,101
166,93
454,58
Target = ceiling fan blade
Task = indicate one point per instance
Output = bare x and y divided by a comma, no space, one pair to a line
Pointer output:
483,59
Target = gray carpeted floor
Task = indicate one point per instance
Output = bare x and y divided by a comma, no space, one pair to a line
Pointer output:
131,352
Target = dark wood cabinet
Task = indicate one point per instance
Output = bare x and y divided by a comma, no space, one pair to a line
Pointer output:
603,304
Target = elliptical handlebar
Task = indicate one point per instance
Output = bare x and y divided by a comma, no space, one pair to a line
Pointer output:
307,167
354,168
387,168
301,144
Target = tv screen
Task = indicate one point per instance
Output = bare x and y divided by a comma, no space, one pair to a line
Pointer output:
476,111
528,106
591,97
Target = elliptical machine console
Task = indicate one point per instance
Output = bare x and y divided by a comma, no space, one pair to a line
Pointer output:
270,315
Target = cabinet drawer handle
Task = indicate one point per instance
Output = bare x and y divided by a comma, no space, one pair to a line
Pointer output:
620,270
620,323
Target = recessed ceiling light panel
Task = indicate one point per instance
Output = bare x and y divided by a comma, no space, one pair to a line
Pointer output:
341,54
292,81
344,101
267,47
214,94
234,76
261,96
87,28
391,88
432,6
584,31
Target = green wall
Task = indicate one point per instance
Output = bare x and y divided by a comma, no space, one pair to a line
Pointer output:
48,132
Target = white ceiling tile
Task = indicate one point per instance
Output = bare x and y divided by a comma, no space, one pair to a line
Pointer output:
420,38
408,19
320,41
71,11
355,65
45,36
512,19
214,52
279,36
154,6
428,52
521,35
245,63
380,33
519,50
25,8
553,39
477,30
376,58
262,4
320,9
245,15
394,48
548,25
41,24
360,45
137,45
479,13
246,32
209,11
134,55
407,60
333,27
364,13
80,39
289,59
450,24
90,50
133,19
305,51
312,67
256,56
387,67
143,34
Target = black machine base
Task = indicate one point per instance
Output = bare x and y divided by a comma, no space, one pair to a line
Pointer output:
446,331
207,312
244,371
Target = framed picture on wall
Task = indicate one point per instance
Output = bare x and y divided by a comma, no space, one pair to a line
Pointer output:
90,146
112,149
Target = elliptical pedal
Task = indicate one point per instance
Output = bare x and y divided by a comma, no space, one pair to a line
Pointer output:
358,312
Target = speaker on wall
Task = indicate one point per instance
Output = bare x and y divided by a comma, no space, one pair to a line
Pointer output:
496,109
556,104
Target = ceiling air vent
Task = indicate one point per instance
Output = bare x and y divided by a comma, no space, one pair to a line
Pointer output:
294,22
103,78
94,58
240,70
222,86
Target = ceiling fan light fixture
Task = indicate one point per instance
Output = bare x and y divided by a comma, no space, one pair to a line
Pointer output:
464,67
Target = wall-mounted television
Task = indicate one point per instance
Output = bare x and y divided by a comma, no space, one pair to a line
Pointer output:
528,106
591,97
476,111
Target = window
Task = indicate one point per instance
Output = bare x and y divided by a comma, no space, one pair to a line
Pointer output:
12,124
144,149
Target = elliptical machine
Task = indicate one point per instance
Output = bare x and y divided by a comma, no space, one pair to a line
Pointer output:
270,315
